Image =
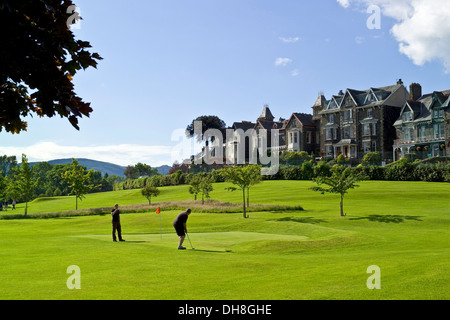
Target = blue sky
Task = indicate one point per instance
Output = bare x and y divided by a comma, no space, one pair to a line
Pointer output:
168,61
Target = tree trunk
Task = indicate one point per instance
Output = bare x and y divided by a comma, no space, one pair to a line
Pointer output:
248,197
26,207
342,206
149,200
76,203
243,196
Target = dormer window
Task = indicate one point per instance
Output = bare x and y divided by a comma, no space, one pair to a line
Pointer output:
438,113
371,98
348,102
369,113
407,116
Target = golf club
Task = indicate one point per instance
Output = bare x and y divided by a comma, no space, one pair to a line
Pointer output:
187,234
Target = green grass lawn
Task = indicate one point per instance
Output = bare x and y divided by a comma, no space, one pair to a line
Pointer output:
402,227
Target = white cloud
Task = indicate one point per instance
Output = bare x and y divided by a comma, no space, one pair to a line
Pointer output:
290,39
422,27
282,62
295,73
124,154
344,3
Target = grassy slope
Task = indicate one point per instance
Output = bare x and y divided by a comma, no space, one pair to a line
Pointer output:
403,227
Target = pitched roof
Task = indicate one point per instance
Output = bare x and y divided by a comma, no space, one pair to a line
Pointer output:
305,119
360,97
244,125
422,107
269,125
266,114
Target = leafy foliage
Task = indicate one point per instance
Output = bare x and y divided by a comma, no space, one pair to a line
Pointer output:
208,122
39,57
77,177
340,182
244,178
149,192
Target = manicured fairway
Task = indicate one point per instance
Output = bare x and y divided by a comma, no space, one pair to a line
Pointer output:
402,227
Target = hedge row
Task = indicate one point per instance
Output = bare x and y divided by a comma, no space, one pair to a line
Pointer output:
402,170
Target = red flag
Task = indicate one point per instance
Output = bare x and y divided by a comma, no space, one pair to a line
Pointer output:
158,211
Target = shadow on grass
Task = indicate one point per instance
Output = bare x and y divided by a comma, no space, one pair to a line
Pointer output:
387,218
309,220
211,251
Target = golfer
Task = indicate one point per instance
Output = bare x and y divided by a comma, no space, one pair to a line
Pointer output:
115,212
180,227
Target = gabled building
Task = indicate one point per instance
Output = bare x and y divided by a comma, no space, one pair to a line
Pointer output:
301,133
422,127
265,124
357,122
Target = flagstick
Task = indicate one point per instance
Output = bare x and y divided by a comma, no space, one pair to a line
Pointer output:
160,225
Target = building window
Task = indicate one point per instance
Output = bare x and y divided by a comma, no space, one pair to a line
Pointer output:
366,129
348,102
374,146
353,152
407,116
309,137
423,133
331,118
295,137
438,113
369,113
346,133
328,134
366,147
436,150
439,131
374,129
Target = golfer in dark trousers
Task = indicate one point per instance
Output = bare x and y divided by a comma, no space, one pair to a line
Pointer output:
180,227
116,223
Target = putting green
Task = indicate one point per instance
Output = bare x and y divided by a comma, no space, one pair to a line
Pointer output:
208,241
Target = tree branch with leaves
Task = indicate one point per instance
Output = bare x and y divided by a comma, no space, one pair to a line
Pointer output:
340,182
77,177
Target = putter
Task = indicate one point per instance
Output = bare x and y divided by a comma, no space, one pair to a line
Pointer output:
187,234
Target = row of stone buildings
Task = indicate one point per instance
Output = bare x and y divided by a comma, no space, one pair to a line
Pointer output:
390,120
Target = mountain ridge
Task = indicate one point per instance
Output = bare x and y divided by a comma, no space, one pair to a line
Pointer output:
102,166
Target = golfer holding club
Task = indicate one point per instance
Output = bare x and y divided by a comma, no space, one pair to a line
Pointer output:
180,227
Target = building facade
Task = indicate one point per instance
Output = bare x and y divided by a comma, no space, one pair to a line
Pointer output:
357,122
301,133
423,126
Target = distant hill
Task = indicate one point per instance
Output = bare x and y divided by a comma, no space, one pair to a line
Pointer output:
103,167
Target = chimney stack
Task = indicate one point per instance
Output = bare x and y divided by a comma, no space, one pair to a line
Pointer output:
415,91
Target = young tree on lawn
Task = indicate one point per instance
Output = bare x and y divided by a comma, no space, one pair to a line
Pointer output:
253,173
194,186
77,177
25,183
244,178
40,56
205,188
12,191
148,191
340,182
